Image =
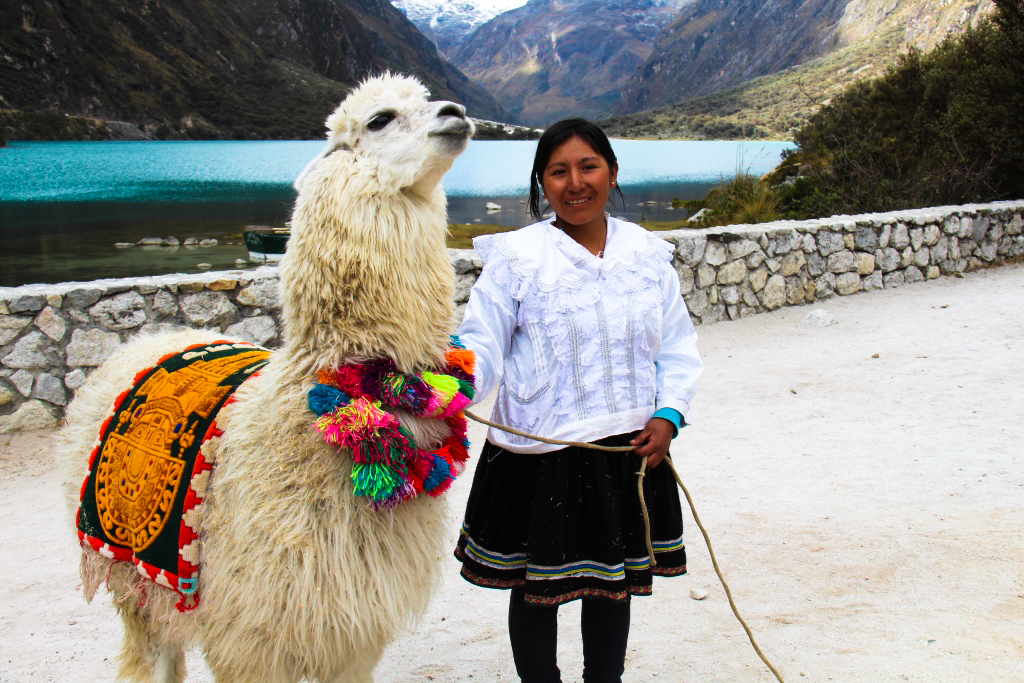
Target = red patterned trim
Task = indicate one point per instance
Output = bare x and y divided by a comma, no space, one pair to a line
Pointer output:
490,583
670,571
587,593
640,591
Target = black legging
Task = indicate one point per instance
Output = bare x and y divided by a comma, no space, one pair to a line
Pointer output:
533,631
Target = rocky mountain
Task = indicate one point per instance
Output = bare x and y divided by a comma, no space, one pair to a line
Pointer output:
199,68
714,44
553,58
449,22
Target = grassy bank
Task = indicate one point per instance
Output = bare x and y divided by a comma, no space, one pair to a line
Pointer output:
20,125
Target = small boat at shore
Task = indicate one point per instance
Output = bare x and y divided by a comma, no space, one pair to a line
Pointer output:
265,243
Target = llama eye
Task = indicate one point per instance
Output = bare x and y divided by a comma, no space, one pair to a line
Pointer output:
380,120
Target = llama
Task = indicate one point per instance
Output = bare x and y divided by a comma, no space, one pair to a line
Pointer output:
300,577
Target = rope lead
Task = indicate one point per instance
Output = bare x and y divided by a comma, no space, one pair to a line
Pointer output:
647,519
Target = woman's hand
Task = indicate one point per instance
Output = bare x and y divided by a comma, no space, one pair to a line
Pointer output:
654,441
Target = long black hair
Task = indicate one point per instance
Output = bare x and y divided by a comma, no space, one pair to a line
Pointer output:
555,135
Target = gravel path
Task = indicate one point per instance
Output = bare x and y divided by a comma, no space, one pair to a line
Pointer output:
862,483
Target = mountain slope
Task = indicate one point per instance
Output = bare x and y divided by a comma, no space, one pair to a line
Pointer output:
716,44
554,58
771,106
198,68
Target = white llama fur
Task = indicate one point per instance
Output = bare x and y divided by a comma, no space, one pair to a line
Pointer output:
300,578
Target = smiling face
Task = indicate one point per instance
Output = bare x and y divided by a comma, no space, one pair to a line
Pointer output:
577,181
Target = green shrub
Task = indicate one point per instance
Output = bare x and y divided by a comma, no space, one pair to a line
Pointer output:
744,198
938,128
760,205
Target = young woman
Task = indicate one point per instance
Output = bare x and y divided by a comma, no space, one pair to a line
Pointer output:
579,324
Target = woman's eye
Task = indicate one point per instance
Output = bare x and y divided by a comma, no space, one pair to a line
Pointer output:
380,120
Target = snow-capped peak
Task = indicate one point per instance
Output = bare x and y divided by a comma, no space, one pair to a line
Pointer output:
447,22
475,8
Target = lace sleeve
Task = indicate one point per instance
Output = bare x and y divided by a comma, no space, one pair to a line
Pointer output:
678,363
489,321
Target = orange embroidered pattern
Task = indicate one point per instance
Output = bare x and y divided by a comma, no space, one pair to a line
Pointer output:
147,469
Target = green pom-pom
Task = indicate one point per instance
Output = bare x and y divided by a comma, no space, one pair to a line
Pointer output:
466,389
395,384
375,480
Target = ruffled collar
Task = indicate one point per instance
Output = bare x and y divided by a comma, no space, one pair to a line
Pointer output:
544,254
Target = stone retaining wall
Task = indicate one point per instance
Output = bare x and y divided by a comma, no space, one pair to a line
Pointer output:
735,271
52,336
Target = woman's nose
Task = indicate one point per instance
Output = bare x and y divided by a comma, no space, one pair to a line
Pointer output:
575,179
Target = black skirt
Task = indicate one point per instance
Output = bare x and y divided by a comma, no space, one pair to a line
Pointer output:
568,524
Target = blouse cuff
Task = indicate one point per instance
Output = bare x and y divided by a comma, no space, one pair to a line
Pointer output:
673,416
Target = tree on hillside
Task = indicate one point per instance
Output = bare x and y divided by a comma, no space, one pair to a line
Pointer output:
938,128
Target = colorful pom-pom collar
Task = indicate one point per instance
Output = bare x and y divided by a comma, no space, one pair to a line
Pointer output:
388,467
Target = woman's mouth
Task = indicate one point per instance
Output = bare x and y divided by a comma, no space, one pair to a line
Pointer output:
577,202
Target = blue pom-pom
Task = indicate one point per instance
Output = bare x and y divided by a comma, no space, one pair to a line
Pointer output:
455,342
440,474
324,399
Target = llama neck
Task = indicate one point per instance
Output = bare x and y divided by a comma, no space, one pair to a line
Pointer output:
371,280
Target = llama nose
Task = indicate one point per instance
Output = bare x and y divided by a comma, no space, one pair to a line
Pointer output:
451,109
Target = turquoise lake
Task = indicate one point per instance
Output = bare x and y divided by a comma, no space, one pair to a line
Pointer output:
63,205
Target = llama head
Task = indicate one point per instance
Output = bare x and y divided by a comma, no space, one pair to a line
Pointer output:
366,273
388,133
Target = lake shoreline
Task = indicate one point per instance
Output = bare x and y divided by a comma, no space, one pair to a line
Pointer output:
35,257
64,205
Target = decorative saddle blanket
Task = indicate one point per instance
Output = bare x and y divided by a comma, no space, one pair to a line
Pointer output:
147,477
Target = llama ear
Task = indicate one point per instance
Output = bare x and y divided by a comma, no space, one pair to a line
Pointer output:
337,122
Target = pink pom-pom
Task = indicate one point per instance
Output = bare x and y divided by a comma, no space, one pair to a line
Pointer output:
458,404
350,425
435,405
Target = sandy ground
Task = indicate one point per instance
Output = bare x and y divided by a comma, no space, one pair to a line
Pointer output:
863,486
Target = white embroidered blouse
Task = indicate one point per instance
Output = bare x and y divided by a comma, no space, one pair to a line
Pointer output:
579,347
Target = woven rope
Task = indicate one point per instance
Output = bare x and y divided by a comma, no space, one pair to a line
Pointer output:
556,442
647,520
